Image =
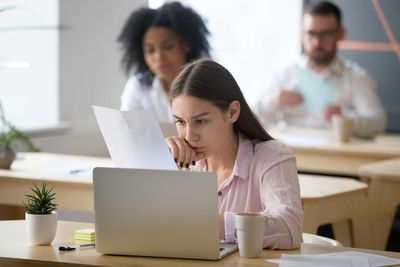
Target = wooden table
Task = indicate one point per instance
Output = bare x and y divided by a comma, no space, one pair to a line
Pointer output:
16,251
327,200
383,180
70,175
324,200
317,152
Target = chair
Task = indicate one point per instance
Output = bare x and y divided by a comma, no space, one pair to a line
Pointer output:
316,239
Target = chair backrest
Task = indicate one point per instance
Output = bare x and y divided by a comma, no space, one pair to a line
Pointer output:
316,239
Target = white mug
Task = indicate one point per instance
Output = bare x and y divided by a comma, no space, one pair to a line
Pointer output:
250,228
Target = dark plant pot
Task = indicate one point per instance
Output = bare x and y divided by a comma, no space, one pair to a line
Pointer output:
7,156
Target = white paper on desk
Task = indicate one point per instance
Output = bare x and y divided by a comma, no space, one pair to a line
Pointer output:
80,169
348,258
134,139
312,261
303,140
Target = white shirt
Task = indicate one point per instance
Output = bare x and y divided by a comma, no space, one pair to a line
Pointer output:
154,97
353,90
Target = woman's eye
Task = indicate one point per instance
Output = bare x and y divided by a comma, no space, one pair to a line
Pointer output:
180,122
149,50
202,121
169,46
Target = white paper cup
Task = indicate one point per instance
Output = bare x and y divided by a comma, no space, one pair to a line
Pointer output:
250,229
342,128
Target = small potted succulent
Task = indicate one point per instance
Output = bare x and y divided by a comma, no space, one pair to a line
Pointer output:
9,134
40,216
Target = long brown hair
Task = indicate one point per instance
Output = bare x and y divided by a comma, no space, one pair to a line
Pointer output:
208,80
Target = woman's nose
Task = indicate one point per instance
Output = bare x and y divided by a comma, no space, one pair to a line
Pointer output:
158,55
190,134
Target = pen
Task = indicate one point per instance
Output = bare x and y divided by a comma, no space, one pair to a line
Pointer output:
75,171
70,248
87,245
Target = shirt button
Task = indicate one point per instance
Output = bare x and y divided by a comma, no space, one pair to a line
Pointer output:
219,193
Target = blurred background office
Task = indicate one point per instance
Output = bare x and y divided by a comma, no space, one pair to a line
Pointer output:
75,59
60,57
70,57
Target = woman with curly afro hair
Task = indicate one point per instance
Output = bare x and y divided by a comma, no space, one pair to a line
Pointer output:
156,43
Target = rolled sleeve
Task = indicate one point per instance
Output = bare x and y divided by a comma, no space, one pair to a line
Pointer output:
280,194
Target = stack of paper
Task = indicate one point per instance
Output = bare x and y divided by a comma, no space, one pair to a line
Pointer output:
343,259
86,235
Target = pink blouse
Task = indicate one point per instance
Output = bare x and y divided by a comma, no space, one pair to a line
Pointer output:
264,179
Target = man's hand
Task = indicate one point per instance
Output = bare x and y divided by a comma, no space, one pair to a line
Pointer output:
331,110
287,98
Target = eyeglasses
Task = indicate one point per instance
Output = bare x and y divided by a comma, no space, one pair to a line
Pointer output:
322,35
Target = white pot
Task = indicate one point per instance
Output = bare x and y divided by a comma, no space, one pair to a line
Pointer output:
41,228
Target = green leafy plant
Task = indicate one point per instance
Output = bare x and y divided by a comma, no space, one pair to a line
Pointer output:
41,200
9,134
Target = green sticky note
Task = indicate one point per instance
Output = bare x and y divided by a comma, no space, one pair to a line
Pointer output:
85,231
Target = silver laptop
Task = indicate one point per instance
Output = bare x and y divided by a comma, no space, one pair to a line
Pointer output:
157,213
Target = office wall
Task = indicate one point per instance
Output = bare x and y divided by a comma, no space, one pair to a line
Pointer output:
368,43
89,71
29,36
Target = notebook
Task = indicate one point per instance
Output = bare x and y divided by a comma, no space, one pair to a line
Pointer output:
157,213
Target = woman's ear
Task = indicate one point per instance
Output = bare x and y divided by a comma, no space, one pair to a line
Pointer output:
233,111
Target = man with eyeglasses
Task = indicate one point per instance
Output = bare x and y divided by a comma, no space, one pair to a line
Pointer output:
348,89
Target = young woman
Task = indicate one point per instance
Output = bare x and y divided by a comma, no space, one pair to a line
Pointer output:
218,132
156,44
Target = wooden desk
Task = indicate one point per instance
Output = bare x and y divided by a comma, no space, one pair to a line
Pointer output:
70,176
322,198
326,200
383,180
15,251
317,152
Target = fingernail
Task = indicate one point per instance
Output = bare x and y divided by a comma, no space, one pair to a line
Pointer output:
176,160
187,165
181,164
193,162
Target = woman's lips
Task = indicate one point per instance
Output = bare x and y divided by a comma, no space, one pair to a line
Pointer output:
163,68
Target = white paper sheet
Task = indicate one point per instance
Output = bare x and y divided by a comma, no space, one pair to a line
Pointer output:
134,139
338,259
305,140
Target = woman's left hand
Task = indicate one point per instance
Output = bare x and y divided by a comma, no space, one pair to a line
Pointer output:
182,152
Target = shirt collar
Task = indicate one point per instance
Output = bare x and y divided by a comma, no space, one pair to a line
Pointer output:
157,84
158,89
244,157
335,67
